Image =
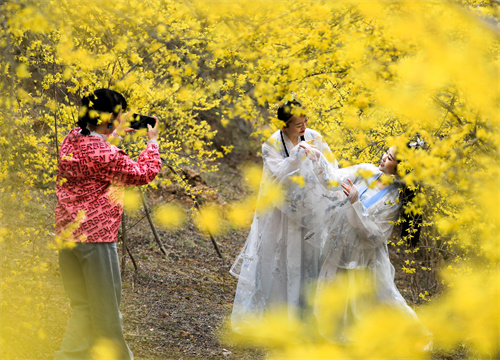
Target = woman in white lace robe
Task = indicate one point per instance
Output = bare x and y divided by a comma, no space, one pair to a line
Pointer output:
356,239
276,263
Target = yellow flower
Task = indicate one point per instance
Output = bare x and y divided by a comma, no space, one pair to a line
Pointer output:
298,179
240,214
132,200
170,215
365,174
208,219
271,195
22,71
106,349
252,174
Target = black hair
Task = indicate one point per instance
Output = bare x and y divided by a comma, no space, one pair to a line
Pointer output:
411,223
101,100
286,111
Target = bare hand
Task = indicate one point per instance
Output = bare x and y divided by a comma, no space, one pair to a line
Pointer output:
351,191
153,131
311,151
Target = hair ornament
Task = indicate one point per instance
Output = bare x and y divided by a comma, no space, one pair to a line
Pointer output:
417,143
286,101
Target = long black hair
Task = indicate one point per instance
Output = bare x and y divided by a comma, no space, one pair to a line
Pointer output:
411,223
102,101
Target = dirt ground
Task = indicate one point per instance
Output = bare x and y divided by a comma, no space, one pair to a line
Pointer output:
175,306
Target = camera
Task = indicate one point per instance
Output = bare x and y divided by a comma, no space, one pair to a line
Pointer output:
141,121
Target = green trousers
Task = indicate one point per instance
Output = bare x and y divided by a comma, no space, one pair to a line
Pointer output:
91,278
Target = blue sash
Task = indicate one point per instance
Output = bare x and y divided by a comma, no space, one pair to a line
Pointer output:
370,201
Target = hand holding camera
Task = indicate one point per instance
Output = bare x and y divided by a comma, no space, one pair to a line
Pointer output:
137,122
145,122
142,121
153,129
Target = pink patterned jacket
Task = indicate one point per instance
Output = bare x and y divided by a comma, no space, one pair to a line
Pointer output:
92,175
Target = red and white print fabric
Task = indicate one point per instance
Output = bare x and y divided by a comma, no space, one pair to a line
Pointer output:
91,177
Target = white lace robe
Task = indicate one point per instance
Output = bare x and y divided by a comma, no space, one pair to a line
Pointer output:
356,239
276,262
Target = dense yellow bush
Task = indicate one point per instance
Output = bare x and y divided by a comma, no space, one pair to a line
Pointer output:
371,73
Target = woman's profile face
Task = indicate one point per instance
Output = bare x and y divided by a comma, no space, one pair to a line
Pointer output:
389,163
296,127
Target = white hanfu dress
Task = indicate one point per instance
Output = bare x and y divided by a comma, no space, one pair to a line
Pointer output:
276,262
357,240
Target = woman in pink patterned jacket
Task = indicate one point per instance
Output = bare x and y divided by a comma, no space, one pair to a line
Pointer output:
91,178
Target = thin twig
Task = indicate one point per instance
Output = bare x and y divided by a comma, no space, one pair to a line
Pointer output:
153,228
124,244
199,209
55,128
131,258
449,108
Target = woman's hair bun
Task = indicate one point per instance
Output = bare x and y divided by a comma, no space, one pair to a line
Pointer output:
286,111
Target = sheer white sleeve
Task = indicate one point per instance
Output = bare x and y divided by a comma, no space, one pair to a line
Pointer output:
275,164
375,227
